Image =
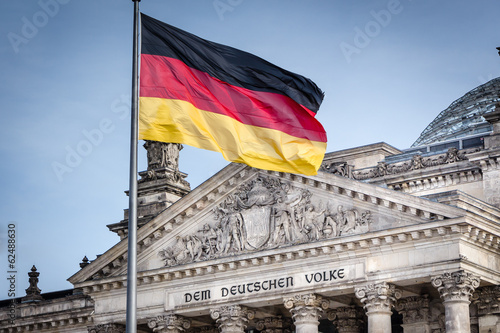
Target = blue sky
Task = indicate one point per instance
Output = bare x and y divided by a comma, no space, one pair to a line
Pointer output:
387,67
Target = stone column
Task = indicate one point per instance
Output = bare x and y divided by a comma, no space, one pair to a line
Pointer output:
169,324
456,289
107,328
487,301
306,310
378,300
347,319
416,314
274,325
232,319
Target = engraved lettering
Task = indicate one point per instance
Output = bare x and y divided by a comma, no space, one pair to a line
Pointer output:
325,276
272,283
241,289
205,294
263,283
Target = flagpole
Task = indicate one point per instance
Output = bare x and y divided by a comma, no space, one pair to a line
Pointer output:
131,325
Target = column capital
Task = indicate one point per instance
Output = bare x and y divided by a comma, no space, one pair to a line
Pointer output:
456,286
347,319
378,297
487,300
414,309
107,328
306,309
169,323
232,318
312,300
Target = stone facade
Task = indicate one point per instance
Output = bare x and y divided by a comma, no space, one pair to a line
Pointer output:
380,240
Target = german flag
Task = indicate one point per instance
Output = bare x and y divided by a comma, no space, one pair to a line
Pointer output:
215,97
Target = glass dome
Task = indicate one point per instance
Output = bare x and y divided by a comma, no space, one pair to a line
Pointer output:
464,117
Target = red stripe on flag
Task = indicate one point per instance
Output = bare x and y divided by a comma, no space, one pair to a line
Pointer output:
169,78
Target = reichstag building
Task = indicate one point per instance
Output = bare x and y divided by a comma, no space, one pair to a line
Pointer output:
381,240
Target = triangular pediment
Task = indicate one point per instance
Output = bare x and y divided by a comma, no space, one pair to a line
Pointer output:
243,212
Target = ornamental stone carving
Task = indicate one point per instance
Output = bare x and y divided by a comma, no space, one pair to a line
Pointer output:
274,325
414,309
487,300
232,319
416,162
163,163
265,213
162,155
169,324
107,328
347,319
33,293
380,297
306,308
456,286
337,168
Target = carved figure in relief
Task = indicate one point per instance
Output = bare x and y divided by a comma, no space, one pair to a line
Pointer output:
351,217
337,168
296,202
417,162
180,251
382,168
221,239
313,221
194,247
340,219
346,222
362,225
283,227
452,155
330,228
233,223
209,239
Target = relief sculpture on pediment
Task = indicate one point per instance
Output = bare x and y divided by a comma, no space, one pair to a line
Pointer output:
265,213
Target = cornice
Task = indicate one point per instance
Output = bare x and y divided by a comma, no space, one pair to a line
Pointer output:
50,321
480,209
351,153
432,177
